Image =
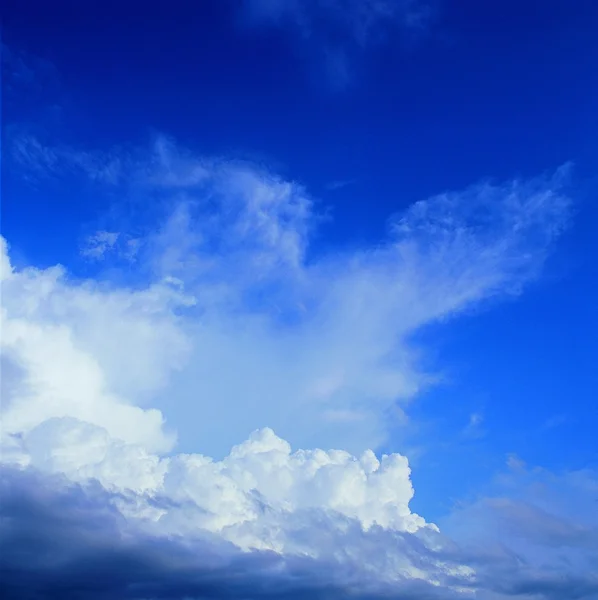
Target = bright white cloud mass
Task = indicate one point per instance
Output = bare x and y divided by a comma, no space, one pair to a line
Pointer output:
230,328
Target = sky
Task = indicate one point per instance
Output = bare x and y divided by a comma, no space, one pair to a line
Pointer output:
299,299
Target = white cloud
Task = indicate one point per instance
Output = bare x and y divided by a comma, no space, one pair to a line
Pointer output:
86,352
325,505
241,328
96,245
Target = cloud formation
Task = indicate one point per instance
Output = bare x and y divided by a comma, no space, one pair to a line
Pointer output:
83,541
84,548
98,244
319,345
233,323
533,533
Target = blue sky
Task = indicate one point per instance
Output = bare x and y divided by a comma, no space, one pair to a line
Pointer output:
364,224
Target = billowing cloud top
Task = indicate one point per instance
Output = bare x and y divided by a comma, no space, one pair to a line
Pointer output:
232,324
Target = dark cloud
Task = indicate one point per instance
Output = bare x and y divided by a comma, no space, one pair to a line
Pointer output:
65,541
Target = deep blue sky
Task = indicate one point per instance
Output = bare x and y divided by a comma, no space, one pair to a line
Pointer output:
490,89
493,89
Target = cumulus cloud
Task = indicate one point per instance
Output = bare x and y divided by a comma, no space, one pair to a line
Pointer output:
84,541
84,548
232,324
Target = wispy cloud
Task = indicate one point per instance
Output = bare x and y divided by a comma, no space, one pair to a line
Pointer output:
54,161
233,324
24,74
338,184
97,245
473,429
554,421
362,21
329,334
338,31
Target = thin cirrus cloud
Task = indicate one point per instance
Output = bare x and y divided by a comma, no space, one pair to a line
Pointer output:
233,324
338,32
339,184
360,21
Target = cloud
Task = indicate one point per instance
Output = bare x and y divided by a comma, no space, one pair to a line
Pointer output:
85,549
77,348
340,184
360,20
83,541
230,324
337,32
44,161
98,244
226,282
234,282
533,532
473,429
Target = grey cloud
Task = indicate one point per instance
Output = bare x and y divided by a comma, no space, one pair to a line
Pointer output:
542,527
67,541
534,534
